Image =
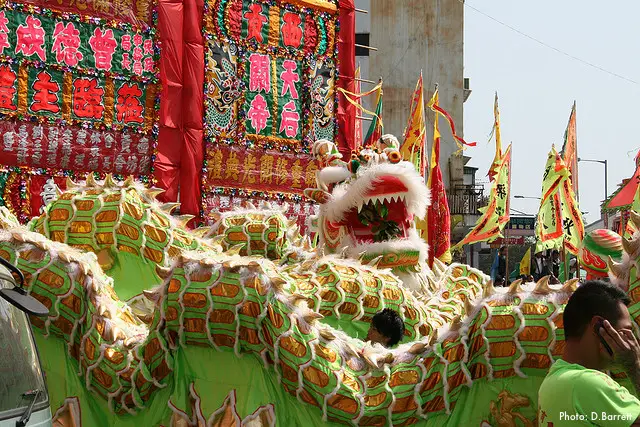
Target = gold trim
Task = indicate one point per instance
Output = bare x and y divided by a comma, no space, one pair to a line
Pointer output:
322,5
109,101
67,96
23,88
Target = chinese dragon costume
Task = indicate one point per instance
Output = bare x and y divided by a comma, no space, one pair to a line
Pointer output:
248,323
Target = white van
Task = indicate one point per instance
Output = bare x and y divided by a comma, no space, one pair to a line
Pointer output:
23,391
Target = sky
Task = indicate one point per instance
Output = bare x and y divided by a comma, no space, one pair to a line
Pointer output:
537,86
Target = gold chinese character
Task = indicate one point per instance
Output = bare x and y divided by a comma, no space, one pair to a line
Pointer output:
80,4
296,174
215,166
249,168
310,175
101,6
282,171
123,7
142,6
266,166
233,166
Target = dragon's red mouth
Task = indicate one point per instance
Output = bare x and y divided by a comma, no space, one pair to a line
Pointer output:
383,214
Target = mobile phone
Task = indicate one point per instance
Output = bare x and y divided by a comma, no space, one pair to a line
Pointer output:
600,324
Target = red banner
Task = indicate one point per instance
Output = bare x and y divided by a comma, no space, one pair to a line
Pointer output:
135,12
511,241
43,190
268,171
81,150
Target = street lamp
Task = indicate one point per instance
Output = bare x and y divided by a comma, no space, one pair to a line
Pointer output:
604,162
521,213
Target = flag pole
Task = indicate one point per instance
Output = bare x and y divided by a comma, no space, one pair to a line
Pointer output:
577,190
566,265
506,261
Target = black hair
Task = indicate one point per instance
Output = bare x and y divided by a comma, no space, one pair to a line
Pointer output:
389,323
593,298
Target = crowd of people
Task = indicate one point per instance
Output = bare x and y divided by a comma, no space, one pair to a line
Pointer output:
544,263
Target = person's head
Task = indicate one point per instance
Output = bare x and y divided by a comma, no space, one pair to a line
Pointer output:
530,278
502,250
555,255
591,303
538,254
387,328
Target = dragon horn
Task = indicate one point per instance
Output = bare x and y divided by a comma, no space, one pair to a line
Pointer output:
375,262
235,249
344,252
152,295
202,231
456,323
468,306
169,207
306,243
630,246
418,348
183,220
312,317
327,335
294,299
515,287
163,272
489,290
91,180
109,182
542,286
570,285
615,268
217,240
152,192
278,283
71,184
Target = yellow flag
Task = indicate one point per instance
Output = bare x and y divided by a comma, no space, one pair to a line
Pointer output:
496,131
421,225
415,136
559,221
496,214
525,264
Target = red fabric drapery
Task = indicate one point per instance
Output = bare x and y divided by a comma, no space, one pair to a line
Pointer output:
346,114
178,165
180,142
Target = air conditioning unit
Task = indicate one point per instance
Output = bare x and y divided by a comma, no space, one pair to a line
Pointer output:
465,89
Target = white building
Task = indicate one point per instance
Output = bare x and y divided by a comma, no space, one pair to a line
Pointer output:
412,37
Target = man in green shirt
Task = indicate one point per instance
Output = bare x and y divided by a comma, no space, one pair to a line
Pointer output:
598,333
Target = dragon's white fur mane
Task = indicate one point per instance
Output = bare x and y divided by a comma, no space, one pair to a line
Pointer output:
352,193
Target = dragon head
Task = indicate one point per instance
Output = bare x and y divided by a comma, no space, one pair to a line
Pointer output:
368,206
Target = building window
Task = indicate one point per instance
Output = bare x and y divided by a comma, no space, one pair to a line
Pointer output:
362,39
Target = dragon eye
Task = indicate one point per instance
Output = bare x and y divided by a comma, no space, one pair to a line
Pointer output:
394,156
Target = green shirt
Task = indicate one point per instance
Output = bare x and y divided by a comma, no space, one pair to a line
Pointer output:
572,395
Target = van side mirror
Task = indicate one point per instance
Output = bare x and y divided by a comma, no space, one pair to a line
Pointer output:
17,295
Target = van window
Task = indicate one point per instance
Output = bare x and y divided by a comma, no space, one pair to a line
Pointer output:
20,371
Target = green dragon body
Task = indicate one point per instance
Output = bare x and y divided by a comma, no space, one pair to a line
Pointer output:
152,324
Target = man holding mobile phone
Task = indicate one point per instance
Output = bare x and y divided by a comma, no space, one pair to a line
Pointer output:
598,334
